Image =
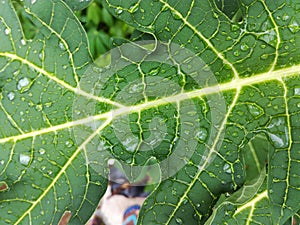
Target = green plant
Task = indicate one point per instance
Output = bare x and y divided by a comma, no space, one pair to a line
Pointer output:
212,105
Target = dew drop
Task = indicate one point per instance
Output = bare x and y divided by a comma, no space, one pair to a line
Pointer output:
39,107
69,143
254,110
154,71
244,47
294,26
198,205
24,159
11,96
136,88
33,1
23,84
50,172
297,91
179,220
40,56
227,168
7,31
234,27
202,134
42,151
2,162
118,11
236,53
298,105
264,56
176,15
42,212
285,17
61,46
23,42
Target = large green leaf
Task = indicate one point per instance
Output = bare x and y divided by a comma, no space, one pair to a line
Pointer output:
210,102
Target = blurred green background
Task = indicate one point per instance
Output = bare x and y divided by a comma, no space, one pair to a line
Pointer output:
96,20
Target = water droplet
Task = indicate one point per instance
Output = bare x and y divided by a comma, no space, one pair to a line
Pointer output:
42,151
198,205
42,212
227,168
50,172
202,134
298,105
264,56
2,162
40,55
11,96
285,17
33,1
61,46
255,110
179,220
174,192
154,72
236,53
244,47
7,31
133,8
294,26
234,27
136,88
23,42
65,67
24,159
39,107
270,38
118,11
297,90
176,15
23,84
69,143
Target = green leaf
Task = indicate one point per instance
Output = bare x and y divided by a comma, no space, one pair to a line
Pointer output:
255,59
40,162
212,102
77,5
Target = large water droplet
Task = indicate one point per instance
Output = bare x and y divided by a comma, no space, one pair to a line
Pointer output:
23,84
24,159
270,38
11,96
227,168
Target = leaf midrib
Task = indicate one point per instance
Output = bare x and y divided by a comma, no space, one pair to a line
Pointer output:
123,110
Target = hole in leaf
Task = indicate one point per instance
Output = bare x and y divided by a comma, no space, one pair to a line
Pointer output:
3,186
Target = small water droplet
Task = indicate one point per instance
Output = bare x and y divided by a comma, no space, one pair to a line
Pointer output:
24,159
285,17
236,53
23,84
39,107
23,42
298,105
294,26
61,46
118,11
33,1
176,15
42,212
198,205
2,162
264,56
133,8
11,96
42,151
244,47
136,88
174,192
40,56
255,110
69,143
202,134
154,72
297,90
50,172
227,168
7,31
179,220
